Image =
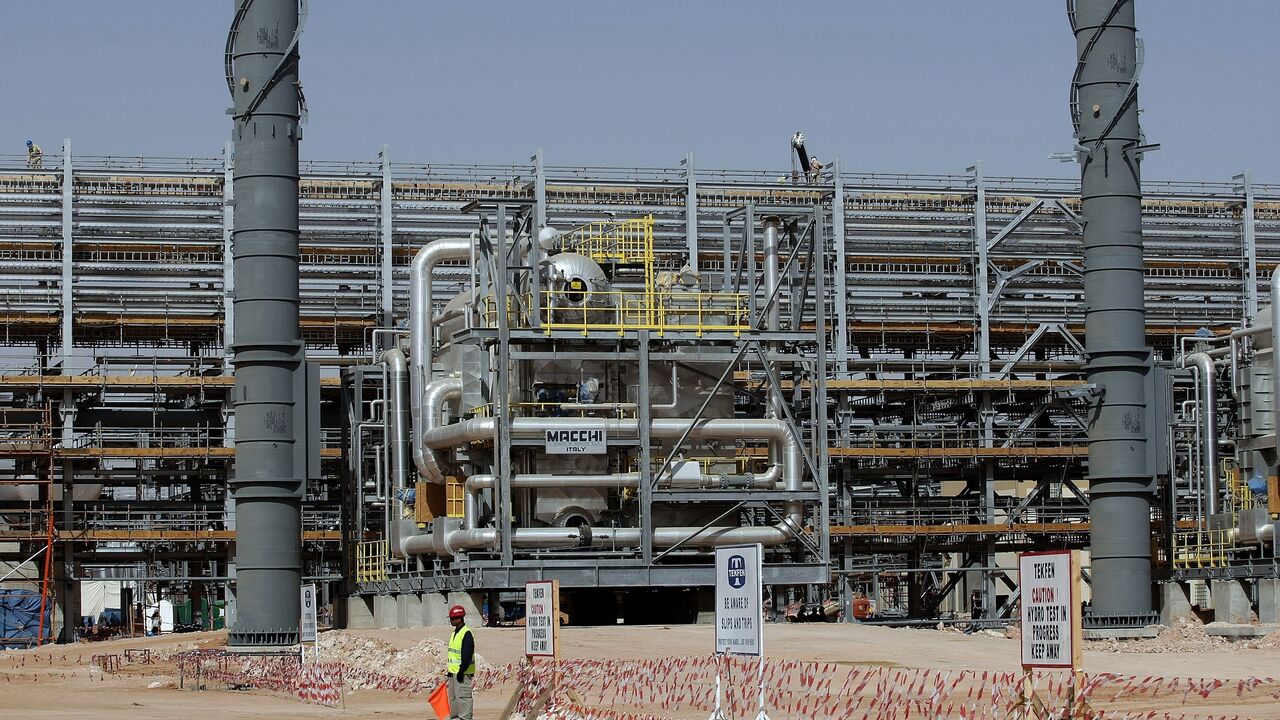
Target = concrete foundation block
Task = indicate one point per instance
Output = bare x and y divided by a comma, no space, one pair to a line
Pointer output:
435,609
1175,603
471,602
1230,602
1239,632
409,610
385,612
1268,600
360,612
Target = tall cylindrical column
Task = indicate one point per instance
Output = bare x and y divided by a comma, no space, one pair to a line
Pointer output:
1115,317
268,349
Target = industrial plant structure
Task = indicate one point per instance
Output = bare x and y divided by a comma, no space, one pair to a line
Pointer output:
598,375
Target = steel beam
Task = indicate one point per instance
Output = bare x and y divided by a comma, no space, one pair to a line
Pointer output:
1249,247
386,276
691,211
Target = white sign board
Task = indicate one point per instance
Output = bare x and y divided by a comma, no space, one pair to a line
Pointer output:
308,629
541,617
590,441
739,614
1050,598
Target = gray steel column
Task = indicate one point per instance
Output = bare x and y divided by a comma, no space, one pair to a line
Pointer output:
228,263
387,274
982,294
228,339
535,246
68,255
1244,185
504,501
643,455
691,212
268,347
841,274
1106,119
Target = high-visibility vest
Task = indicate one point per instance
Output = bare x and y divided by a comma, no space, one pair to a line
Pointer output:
455,653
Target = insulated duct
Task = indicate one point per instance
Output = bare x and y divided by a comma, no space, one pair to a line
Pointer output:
267,487
421,336
1208,402
480,429
1105,114
398,430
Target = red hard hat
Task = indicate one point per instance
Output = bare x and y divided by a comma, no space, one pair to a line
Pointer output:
457,611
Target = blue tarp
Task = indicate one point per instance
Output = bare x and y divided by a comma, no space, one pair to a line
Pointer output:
20,618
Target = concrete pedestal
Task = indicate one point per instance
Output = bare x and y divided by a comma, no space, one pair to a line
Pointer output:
1175,603
1230,602
409,610
1268,600
360,612
385,611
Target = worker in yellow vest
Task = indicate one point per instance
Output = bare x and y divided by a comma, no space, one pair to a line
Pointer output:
462,664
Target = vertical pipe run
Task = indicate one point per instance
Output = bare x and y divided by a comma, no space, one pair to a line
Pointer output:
1115,316
268,349
1208,428
771,282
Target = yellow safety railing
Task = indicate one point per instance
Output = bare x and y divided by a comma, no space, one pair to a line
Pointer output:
619,311
371,561
1201,548
622,241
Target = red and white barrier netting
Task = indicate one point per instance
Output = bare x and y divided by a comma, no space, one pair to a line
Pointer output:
684,687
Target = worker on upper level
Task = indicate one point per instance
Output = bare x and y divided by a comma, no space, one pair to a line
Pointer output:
35,156
462,664
815,170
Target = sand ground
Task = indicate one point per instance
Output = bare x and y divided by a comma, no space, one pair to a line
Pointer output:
62,682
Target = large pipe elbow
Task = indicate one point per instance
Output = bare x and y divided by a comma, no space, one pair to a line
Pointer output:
421,329
438,392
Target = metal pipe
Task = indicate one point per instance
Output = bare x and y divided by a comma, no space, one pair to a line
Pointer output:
438,392
269,353
1208,427
791,471
421,329
1105,115
399,440
1275,354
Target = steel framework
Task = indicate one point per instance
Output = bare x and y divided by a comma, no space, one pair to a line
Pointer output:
953,358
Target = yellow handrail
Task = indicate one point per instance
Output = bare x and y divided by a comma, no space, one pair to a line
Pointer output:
371,561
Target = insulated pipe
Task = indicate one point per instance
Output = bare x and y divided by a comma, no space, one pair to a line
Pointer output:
421,329
267,485
771,278
1275,353
437,393
1105,108
1208,427
398,428
776,431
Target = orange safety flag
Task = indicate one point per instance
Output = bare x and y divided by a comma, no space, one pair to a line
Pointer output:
439,701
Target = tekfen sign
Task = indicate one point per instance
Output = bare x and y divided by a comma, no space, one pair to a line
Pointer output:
1050,598
541,618
739,614
591,441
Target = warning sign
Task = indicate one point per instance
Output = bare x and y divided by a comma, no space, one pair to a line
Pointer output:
1050,598
739,627
541,612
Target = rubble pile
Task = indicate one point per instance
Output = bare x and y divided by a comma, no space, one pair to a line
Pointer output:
370,655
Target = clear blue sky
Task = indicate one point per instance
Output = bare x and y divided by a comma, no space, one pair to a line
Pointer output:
909,86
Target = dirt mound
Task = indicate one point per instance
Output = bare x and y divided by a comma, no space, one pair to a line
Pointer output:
370,655
1184,636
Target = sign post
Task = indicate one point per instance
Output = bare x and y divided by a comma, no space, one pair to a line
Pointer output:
1052,625
308,628
542,623
739,611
